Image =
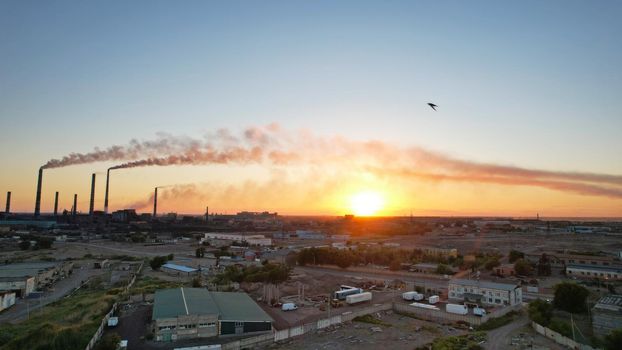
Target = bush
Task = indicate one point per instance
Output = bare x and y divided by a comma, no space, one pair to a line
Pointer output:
540,312
613,340
570,297
523,267
157,262
498,321
515,255
109,341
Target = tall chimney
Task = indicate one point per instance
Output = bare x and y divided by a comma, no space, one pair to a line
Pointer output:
155,203
75,204
92,203
106,195
56,204
8,202
38,199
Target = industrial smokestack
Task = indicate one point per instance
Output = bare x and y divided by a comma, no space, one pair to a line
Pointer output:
155,203
106,195
92,203
75,205
8,202
38,199
56,204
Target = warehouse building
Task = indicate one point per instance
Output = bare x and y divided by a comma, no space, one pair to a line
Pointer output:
24,278
184,313
594,271
260,240
485,292
607,315
7,299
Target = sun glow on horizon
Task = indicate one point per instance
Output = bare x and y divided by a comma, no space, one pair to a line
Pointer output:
366,203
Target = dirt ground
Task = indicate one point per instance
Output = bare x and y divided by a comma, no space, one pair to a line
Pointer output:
404,333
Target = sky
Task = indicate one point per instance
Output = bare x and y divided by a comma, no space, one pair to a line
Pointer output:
530,84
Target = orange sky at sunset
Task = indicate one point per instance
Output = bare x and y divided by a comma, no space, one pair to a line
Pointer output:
302,173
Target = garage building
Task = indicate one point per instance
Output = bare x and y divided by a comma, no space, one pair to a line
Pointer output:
183,313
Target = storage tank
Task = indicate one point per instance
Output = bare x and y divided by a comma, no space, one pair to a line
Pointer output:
358,298
433,299
457,309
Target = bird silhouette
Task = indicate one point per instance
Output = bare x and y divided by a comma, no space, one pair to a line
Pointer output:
432,105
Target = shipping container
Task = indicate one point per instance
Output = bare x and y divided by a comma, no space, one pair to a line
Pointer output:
433,299
358,298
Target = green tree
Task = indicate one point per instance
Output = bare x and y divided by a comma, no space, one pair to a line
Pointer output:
443,269
395,265
570,297
157,262
170,257
544,266
523,267
613,340
491,263
109,341
200,252
24,245
44,243
540,312
515,255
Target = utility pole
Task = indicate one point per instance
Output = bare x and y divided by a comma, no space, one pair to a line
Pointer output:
572,325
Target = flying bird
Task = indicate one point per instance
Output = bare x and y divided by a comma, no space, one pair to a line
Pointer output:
432,105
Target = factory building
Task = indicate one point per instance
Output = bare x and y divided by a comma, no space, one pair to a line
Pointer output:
260,240
607,315
308,234
485,292
7,299
561,260
175,269
183,313
594,272
24,278
444,252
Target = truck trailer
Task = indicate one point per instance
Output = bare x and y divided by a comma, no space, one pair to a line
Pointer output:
412,296
457,309
433,299
358,298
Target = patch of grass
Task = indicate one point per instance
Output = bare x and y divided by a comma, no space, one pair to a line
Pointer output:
498,321
370,319
67,324
468,341
148,285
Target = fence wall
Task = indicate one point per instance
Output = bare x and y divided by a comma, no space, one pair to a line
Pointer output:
559,338
104,322
438,315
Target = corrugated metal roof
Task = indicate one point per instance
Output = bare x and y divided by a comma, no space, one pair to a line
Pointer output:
170,303
239,307
595,267
484,284
25,269
181,268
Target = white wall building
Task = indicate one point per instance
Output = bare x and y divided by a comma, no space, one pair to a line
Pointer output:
485,292
7,299
594,271
250,239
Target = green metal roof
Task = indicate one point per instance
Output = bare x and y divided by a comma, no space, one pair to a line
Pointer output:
170,303
239,307
25,269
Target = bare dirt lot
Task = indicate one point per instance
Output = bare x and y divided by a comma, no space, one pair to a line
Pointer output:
403,333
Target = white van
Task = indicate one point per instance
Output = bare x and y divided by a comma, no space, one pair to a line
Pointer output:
289,307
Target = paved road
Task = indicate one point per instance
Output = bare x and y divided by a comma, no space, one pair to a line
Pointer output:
499,338
114,249
429,281
23,308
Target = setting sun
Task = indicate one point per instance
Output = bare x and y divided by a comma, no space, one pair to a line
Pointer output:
366,203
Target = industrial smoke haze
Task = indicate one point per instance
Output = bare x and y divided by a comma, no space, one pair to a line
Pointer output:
275,147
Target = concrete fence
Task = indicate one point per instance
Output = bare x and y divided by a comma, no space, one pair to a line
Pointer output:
104,321
438,315
559,338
